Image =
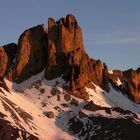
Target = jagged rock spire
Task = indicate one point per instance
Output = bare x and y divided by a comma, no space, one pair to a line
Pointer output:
59,50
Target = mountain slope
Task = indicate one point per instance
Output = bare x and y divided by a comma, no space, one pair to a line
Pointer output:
27,104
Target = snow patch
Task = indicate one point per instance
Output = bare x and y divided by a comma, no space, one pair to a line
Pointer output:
118,82
112,99
110,71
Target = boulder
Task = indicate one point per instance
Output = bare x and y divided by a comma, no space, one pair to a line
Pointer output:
67,97
49,114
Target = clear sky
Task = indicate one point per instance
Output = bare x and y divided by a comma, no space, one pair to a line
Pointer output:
111,28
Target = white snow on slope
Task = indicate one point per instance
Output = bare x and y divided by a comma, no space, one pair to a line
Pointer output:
118,82
112,99
28,97
110,71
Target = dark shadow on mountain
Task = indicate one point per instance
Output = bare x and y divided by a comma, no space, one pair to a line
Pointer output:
90,127
9,132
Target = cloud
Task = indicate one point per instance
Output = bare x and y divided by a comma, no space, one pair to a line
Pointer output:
118,40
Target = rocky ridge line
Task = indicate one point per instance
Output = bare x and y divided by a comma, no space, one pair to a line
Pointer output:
60,51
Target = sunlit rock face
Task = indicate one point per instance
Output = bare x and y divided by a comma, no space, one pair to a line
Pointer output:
31,57
3,61
60,50
66,55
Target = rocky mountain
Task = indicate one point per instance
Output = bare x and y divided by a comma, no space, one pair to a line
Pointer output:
48,78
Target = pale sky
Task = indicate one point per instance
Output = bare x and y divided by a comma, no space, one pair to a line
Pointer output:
111,28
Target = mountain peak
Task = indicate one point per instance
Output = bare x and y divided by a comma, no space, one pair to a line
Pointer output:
60,51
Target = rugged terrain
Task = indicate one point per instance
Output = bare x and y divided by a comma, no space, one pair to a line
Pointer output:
51,89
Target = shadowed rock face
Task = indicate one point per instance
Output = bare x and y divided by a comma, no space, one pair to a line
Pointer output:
9,132
7,55
11,51
31,57
93,127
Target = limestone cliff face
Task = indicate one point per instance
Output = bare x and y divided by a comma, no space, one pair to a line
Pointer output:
31,57
64,41
60,50
66,55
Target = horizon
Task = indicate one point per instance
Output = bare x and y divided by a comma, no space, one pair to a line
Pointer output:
111,30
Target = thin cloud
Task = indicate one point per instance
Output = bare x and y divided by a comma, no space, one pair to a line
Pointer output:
118,40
